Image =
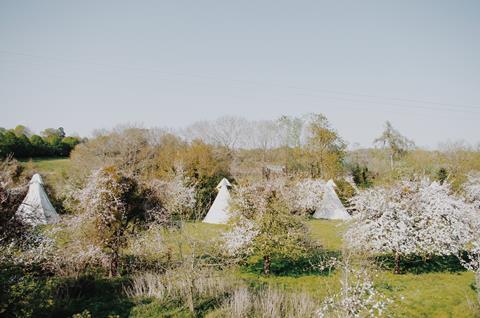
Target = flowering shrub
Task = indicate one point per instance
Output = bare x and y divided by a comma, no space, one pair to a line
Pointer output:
112,200
306,195
265,225
411,217
472,188
175,196
238,240
357,297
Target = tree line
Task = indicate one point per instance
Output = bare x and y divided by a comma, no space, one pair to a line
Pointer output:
20,143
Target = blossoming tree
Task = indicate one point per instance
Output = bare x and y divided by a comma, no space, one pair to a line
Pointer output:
265,225
472,189
111,199
411,217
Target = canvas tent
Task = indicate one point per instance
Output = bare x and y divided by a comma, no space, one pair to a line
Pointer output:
331,206
36,207
218,213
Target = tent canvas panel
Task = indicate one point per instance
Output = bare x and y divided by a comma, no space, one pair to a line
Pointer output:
36,208
331,206
218,212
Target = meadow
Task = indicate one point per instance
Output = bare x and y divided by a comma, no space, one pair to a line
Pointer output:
438,291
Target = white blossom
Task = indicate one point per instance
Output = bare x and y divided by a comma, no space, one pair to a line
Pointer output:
472,188
237,240
411,217
357,296
175,195
305,195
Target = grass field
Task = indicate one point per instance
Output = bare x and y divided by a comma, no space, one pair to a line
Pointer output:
428,294
51,169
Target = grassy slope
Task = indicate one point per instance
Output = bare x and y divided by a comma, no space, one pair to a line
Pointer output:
424,295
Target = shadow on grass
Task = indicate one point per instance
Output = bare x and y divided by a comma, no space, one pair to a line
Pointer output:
31,293
420,265
102,297
310,265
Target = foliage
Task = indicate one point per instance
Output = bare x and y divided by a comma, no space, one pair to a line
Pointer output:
345,191
304,196
205,167
472,188
361,176
358,296
184,286
325,148
175,196
12,191
392,140
442,175
411,217
112,199
156,155
21,143
271,230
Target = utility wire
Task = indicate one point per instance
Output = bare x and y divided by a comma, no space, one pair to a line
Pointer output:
375,99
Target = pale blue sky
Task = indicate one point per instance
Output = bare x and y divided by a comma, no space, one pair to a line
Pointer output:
95,64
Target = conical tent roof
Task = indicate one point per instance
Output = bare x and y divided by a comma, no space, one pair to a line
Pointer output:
36,207
218,213
222,183
331,207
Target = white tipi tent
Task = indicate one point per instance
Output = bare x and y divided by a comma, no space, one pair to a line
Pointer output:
218,213
36,207
331,207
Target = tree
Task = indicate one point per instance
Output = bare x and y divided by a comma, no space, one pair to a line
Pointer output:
396,144
11,145
227,131
176,195
266,227
361,176
472,188
21,143
204,167
265,136
21,130
411,218
326,149
112,199
290,134
49,132
40,147
442,175
304,196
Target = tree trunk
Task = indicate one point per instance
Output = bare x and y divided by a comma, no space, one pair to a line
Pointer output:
477,280
189,299
114,265
397,263
266,264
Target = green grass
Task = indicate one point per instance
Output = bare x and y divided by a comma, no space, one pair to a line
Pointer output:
49,165
51,169
327,232
430,294
434,294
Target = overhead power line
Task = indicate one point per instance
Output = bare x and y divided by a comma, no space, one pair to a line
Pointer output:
344,96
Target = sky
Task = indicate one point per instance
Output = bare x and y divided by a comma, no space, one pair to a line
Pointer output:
86,65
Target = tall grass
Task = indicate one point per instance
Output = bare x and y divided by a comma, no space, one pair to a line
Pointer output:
268,302
182,285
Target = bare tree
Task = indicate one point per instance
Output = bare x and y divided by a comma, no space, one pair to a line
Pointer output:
227,131
264,135
396,143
